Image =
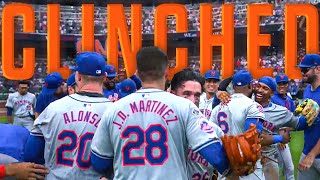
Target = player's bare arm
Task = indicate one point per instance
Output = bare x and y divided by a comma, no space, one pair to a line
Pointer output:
309,159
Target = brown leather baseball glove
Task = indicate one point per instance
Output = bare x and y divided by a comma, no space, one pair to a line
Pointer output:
243,151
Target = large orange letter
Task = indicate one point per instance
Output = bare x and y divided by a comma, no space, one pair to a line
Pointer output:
160,32
8,68
312,35
255,39
117,24
53,44
226,39
87,27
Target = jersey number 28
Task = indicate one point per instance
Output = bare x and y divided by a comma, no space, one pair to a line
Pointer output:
145,139
223,124
82,162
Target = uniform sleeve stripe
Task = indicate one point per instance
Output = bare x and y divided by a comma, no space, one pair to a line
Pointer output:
36,134
205,144
101,156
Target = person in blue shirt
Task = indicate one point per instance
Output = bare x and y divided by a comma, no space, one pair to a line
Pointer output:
53,89
310,161
110,82
112,86
281,97
12,143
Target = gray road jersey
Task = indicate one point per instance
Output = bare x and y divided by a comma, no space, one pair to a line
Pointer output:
231,117
22,106
277,117
147,134
67,126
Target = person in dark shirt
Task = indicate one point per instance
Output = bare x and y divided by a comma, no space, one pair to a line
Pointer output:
53,89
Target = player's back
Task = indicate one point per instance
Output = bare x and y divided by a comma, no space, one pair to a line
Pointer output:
231,117
148,132
72,122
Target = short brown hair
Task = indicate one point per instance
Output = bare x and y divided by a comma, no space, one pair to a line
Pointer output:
152,63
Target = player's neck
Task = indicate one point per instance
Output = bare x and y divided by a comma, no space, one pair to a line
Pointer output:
91,88
155,85
209,95
264,104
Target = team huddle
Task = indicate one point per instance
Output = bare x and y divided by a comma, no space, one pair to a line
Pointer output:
198,128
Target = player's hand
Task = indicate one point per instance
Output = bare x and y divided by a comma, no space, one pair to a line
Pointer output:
306,163
281,146
224,97
29,171
285,132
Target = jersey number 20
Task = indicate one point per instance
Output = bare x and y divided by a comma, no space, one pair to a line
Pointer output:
145,139
223,124
82,162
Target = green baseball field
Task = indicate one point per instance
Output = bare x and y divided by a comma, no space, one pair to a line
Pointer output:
296,146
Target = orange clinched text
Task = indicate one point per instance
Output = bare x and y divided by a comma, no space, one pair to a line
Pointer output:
118,31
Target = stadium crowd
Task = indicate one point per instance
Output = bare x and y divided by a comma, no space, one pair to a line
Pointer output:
70,23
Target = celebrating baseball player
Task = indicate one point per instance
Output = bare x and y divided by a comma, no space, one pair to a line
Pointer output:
147,133
282,98
212,79
188,84
310,159
63,131
278,117
235,117
20,106
110,90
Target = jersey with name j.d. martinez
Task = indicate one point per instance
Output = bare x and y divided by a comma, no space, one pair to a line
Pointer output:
147,134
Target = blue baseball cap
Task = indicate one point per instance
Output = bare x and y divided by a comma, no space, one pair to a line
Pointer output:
91,64
52,82
212,74
71,80
310,60
269,81
282,78
111,70
242,78
127,87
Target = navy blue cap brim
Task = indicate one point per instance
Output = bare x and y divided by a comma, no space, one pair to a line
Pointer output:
45,90
112,75
212,78
283,81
